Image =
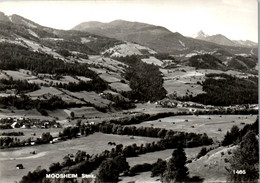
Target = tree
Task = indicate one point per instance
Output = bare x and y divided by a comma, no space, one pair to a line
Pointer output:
246,159
122,164
202,152
66,161
231,136
46,137
176,171
54,167
129,151
72,115
158,168
108,172
80,156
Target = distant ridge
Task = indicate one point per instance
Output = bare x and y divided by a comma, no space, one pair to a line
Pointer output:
159,38
223,40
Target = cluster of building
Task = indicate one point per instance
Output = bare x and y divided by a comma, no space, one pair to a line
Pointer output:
23,122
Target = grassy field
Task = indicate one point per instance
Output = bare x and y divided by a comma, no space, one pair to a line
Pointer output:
144,177
90,97
33,114
165,155
3,76
152,158
20,75
213,163
103,65
50,153
152,108
118,86
183,79
152,60
214,126
110,77
29,132
127,49
44,90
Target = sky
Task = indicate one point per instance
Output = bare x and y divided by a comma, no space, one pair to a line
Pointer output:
236,19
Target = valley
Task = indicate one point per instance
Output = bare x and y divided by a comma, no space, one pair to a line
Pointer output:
72,100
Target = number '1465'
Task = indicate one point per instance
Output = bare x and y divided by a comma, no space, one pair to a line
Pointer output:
240,172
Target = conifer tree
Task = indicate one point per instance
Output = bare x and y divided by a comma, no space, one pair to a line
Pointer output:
244,164
176,170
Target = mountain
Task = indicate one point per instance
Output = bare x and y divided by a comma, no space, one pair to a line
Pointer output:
246,43
200,35
4,18
19,30
218,39
223,40
152,36
158,38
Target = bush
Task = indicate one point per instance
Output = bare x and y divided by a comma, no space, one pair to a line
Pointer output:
140,168
158,168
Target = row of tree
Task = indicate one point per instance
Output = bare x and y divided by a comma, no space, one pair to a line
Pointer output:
18,85
7,142
25,102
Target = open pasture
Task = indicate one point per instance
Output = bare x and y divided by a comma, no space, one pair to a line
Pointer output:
118,86
214,163
152,60
29,133
88,112
37,47
182,79
90,97
37,81
20,75
83,78
2,75
69,99
32,114
50,153
104,64
144,177
164,155
152,158
127,49
110,77
63,80
152,108
44,90
214,126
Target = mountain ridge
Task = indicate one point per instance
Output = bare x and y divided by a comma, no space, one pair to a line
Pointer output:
223,40
157,37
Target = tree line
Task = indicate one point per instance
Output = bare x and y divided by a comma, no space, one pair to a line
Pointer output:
25,102
18,85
